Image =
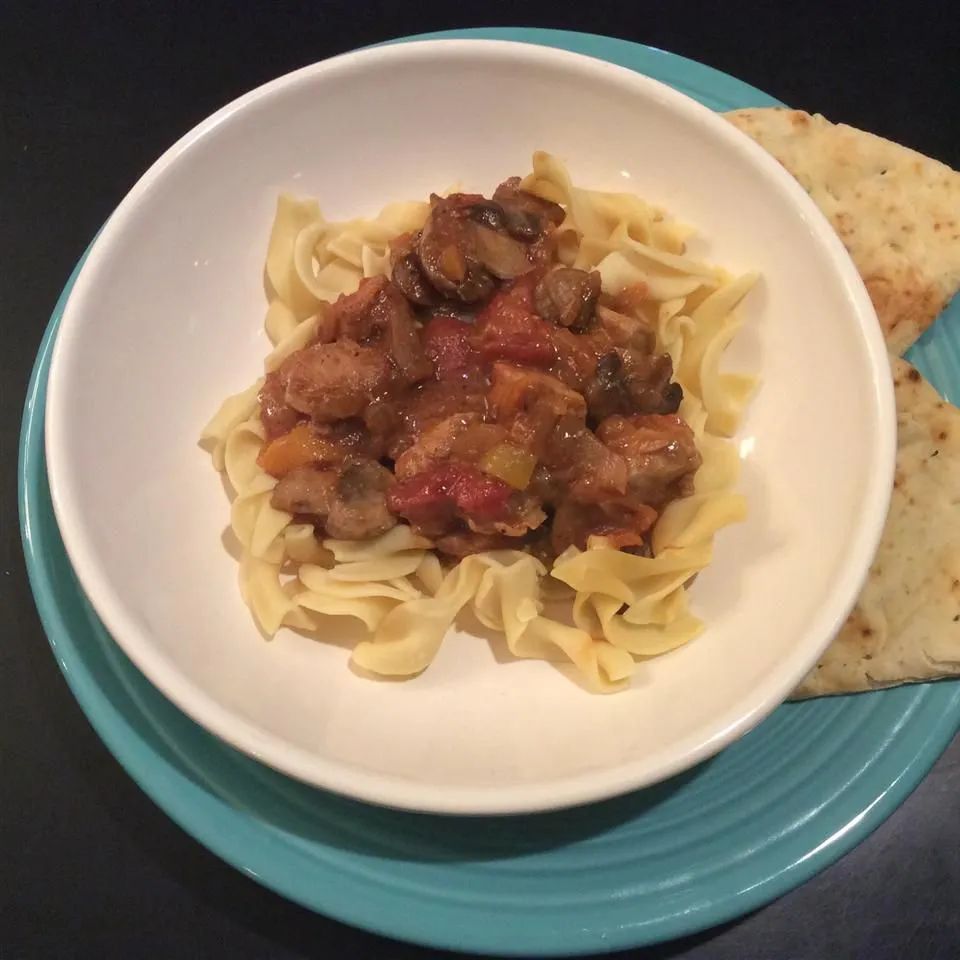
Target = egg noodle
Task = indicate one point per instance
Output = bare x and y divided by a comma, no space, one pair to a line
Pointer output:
607,606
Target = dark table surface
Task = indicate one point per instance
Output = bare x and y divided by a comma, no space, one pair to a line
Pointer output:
90,94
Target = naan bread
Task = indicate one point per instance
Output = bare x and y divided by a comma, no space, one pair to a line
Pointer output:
897,211
906,624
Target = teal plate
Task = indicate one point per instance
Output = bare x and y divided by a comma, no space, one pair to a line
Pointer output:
725,838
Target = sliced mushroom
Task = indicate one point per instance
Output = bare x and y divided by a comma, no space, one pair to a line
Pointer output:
568,296
446,251
307,491
671,398
526,216
649,383
499,253
358,508
407,272
606,393
627,382
490,214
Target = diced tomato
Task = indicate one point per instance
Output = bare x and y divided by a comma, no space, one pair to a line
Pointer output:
421,499
448,489
508,328
478,495
447,342
518,339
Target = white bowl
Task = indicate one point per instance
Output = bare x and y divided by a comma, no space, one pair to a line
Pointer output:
166,319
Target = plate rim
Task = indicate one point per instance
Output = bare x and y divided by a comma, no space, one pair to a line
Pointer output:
150,771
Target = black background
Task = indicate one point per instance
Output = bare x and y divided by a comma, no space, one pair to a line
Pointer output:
90,94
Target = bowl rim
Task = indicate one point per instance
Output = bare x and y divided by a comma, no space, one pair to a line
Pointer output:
399,792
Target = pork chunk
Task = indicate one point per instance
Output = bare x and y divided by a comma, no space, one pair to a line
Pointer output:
333,381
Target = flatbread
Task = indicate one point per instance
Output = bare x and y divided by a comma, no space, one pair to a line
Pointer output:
898,214
897,211
906,624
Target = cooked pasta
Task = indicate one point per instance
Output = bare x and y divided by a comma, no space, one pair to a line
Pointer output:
558,577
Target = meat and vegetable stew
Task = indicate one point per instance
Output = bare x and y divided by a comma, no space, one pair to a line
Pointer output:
485,394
